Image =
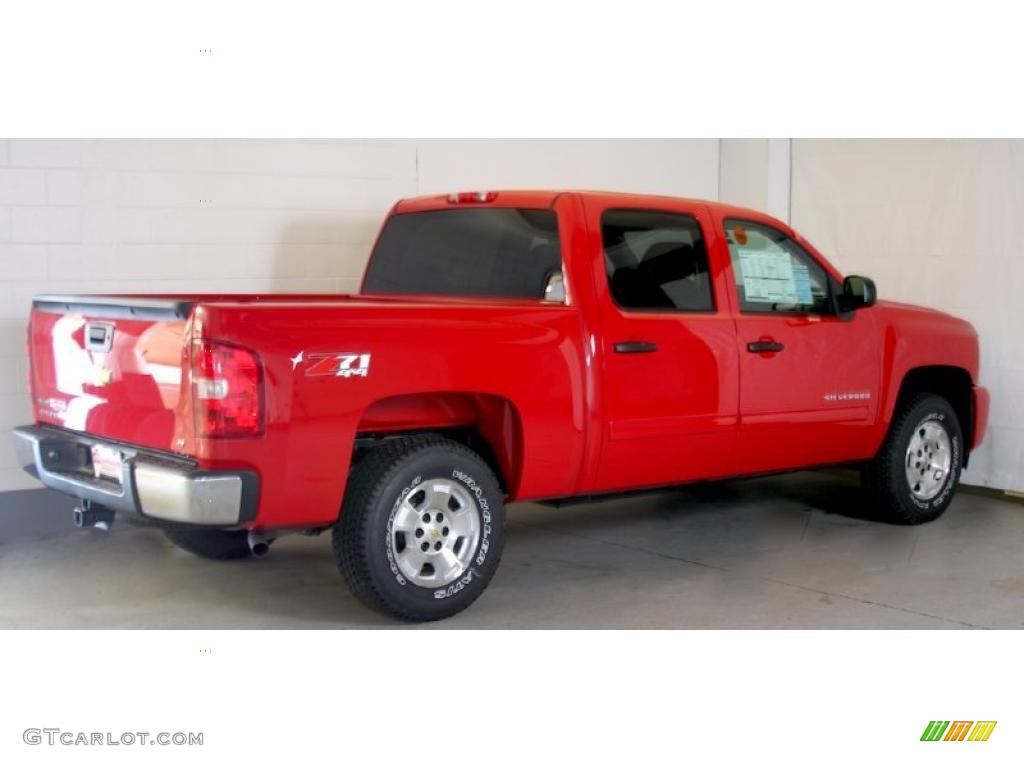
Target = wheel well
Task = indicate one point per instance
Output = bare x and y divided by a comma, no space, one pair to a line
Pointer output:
952,384
487,424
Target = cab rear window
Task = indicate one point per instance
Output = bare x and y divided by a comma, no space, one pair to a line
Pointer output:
495,252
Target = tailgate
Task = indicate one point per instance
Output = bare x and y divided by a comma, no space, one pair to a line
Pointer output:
111,366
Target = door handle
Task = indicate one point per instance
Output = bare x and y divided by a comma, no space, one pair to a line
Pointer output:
765,345
635,347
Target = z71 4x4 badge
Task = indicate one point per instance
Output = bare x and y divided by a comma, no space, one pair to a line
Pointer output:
343,364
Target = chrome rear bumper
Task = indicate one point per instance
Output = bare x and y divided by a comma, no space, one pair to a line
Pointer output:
152,485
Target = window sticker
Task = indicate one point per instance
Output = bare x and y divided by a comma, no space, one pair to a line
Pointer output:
802,284
770,277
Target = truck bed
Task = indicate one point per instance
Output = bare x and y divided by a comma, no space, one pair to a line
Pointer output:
438,361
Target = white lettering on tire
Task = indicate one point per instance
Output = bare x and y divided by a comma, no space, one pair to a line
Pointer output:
485,535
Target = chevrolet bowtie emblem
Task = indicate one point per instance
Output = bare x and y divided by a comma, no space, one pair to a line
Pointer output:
101,376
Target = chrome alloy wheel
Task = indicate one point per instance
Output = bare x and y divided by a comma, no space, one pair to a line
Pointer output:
435,533
929,459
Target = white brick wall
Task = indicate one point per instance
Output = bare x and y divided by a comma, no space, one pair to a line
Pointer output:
45,153
22,187
285,215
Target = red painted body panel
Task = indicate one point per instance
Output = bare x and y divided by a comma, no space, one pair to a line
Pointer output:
795,405
131,393
563,413
671,415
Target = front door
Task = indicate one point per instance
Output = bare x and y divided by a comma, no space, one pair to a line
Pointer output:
670,360
808,378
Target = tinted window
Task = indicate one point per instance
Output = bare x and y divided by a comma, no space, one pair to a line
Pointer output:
505,252
656,261
773,273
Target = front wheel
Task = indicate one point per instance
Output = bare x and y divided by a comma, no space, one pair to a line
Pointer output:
421,528
916,471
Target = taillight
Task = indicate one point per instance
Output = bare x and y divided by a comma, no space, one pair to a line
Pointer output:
227,390
28,355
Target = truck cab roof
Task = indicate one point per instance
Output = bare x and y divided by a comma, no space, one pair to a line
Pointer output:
545,198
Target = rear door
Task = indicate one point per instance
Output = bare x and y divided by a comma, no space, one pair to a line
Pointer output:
670,362
808,378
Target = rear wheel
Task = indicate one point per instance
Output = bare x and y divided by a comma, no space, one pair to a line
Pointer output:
916,471
421,528
211,544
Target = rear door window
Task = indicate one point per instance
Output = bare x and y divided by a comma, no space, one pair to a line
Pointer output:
497,252
656,261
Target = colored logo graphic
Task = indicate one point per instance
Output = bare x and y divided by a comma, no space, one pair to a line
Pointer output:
958,730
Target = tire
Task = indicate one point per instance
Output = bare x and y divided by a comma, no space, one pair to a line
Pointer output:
211,544
932,425
405,540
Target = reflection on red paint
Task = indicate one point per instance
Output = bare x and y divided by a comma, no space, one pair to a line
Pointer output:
130,393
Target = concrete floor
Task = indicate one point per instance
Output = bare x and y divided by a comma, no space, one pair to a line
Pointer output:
787,552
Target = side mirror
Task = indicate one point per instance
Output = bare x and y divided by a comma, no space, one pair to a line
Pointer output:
858,292
554,287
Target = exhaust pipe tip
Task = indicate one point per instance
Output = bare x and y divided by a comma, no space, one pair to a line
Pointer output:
259,543
260,549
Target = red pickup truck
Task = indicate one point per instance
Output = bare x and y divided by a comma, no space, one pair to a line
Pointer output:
505,346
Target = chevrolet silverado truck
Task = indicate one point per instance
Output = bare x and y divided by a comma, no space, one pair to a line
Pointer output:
505,346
